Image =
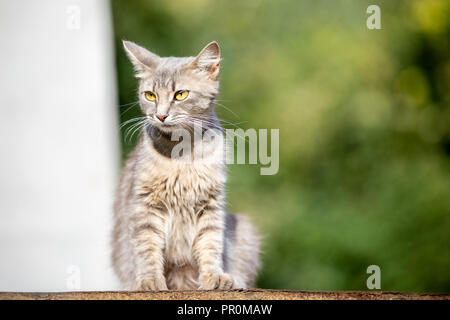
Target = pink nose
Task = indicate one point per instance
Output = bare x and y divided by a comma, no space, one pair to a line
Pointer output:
162,118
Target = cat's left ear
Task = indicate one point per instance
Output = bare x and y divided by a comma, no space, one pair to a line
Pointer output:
208,61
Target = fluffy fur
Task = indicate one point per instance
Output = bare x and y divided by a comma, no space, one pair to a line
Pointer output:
171,229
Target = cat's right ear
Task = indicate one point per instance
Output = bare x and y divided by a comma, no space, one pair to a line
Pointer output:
143,60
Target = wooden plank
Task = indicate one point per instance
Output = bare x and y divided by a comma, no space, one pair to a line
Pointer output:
253,294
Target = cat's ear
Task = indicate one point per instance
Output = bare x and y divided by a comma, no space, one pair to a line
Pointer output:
208,61
142,59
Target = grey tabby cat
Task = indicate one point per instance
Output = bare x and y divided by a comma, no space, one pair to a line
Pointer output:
171,229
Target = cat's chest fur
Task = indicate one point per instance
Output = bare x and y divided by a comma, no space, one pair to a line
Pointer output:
179,191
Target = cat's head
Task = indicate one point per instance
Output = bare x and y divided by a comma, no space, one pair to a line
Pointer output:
176,92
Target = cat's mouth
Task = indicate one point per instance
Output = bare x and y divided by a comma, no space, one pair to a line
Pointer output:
165,126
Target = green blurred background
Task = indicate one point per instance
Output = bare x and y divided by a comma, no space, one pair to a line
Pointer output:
364,119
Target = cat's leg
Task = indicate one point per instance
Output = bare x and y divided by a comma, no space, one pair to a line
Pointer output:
148,242
241,257
208,248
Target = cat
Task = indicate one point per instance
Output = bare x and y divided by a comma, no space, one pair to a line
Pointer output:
171,229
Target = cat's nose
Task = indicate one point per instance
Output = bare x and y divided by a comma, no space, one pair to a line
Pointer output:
162,117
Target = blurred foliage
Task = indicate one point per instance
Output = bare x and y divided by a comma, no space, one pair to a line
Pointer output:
364,119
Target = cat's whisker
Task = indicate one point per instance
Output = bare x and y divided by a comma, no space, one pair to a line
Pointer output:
238,136
220,120
232,132
133,104
132,128
127,104
226,108
201,121
128,131
215,126
233,124
130,121
140,128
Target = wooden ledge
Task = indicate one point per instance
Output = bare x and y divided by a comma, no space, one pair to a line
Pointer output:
253,294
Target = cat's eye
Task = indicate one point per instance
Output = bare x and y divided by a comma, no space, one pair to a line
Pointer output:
150,96
181,95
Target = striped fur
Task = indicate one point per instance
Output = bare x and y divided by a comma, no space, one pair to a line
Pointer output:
171,230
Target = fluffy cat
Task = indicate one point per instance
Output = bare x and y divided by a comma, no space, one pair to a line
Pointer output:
171,230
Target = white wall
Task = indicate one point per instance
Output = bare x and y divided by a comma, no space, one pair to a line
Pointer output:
58,143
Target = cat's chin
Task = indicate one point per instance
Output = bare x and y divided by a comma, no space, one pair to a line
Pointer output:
167,128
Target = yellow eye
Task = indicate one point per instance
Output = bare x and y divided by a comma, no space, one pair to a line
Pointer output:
181,95
150,96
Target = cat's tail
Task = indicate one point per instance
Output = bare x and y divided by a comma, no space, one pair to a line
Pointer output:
243,261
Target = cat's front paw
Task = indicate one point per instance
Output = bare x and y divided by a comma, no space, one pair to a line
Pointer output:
211,281
155,283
